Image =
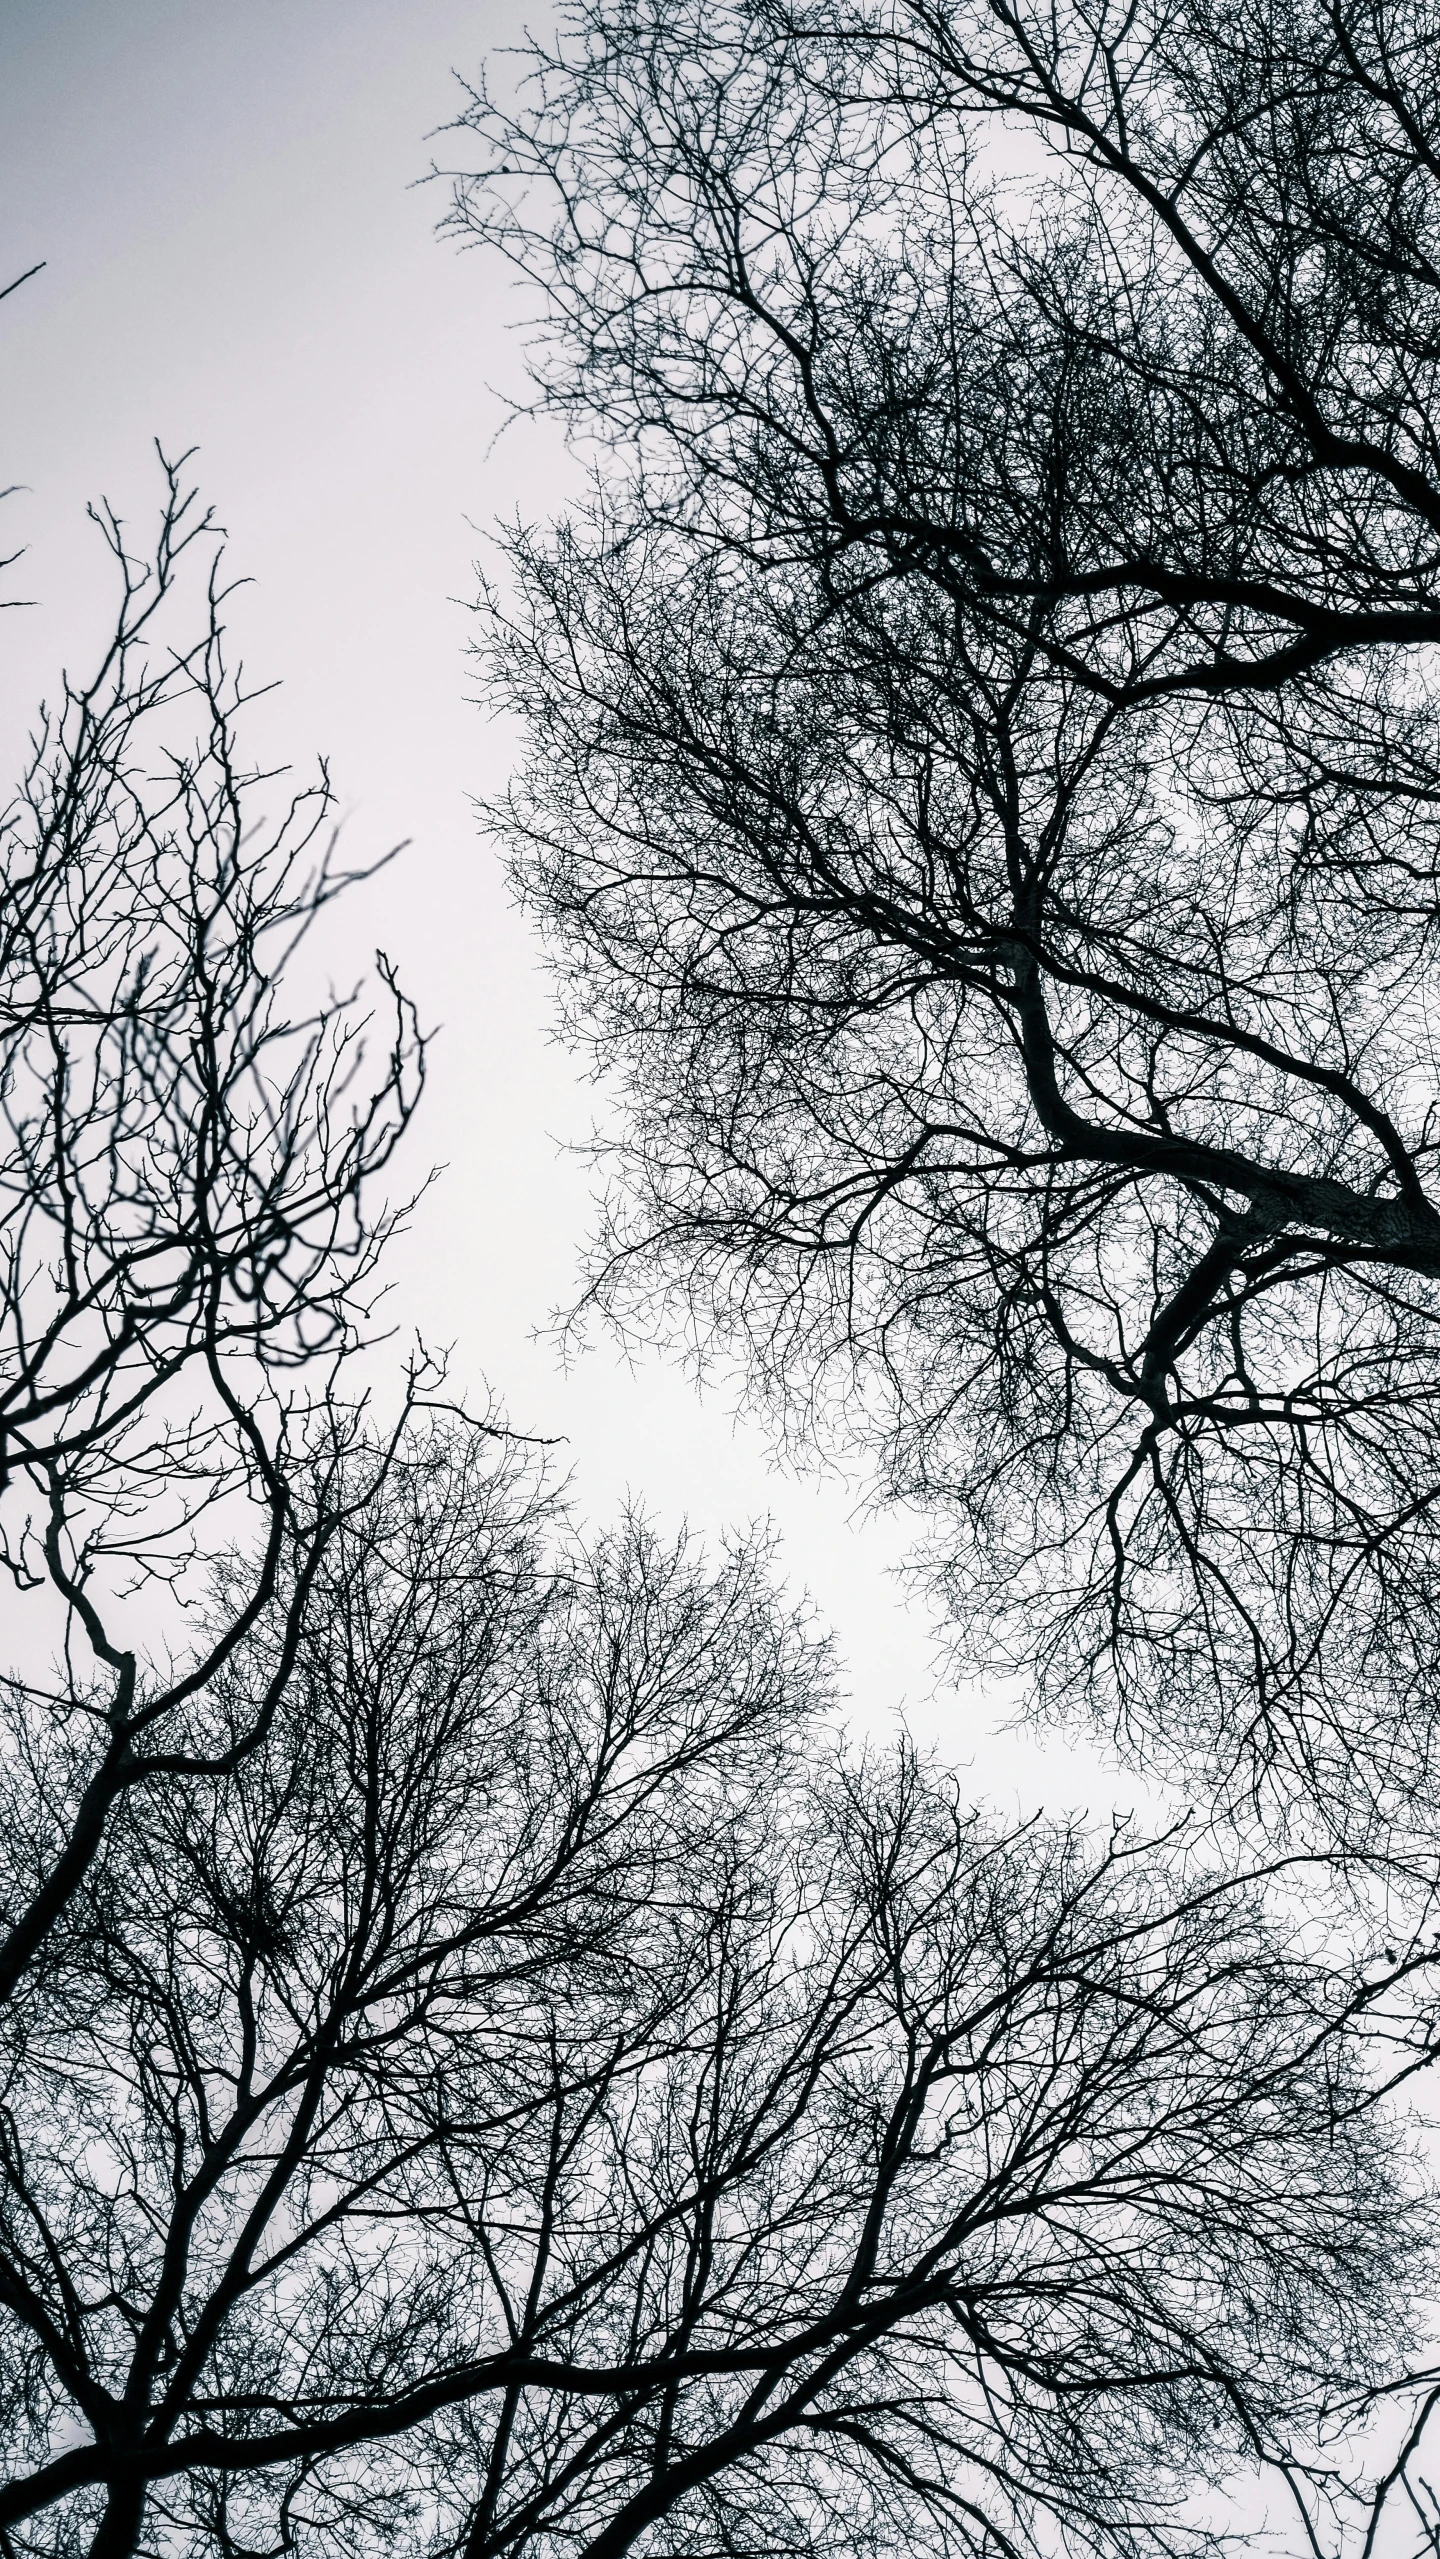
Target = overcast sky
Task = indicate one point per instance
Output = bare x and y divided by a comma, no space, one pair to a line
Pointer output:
238,257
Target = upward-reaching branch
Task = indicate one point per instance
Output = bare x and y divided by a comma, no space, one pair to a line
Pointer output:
985,779
189,1227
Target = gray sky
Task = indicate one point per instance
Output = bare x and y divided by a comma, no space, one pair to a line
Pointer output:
238,258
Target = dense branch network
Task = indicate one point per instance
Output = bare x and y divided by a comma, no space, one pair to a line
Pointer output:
984,797
188,1221
483,2070
545,2099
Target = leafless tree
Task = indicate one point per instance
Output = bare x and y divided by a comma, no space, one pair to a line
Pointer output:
542,2098
985,786
189,1220
479,2068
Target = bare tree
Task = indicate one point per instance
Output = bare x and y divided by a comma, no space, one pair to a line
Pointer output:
985,787
189,1226
540,2097
478,2068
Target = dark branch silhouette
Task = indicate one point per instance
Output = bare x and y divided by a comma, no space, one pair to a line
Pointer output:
189,1228
482,2068
984,797
542,2097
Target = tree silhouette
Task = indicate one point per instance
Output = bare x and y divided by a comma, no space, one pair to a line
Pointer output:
983,796
542,2096
189,1228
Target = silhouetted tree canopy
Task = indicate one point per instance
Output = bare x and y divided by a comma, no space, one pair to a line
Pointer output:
542,2097
482,2068
190,1206
984,797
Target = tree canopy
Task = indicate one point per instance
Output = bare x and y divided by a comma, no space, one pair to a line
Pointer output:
539,2095
985,765
487,2068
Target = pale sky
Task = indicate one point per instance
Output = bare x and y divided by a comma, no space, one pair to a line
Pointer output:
238,258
